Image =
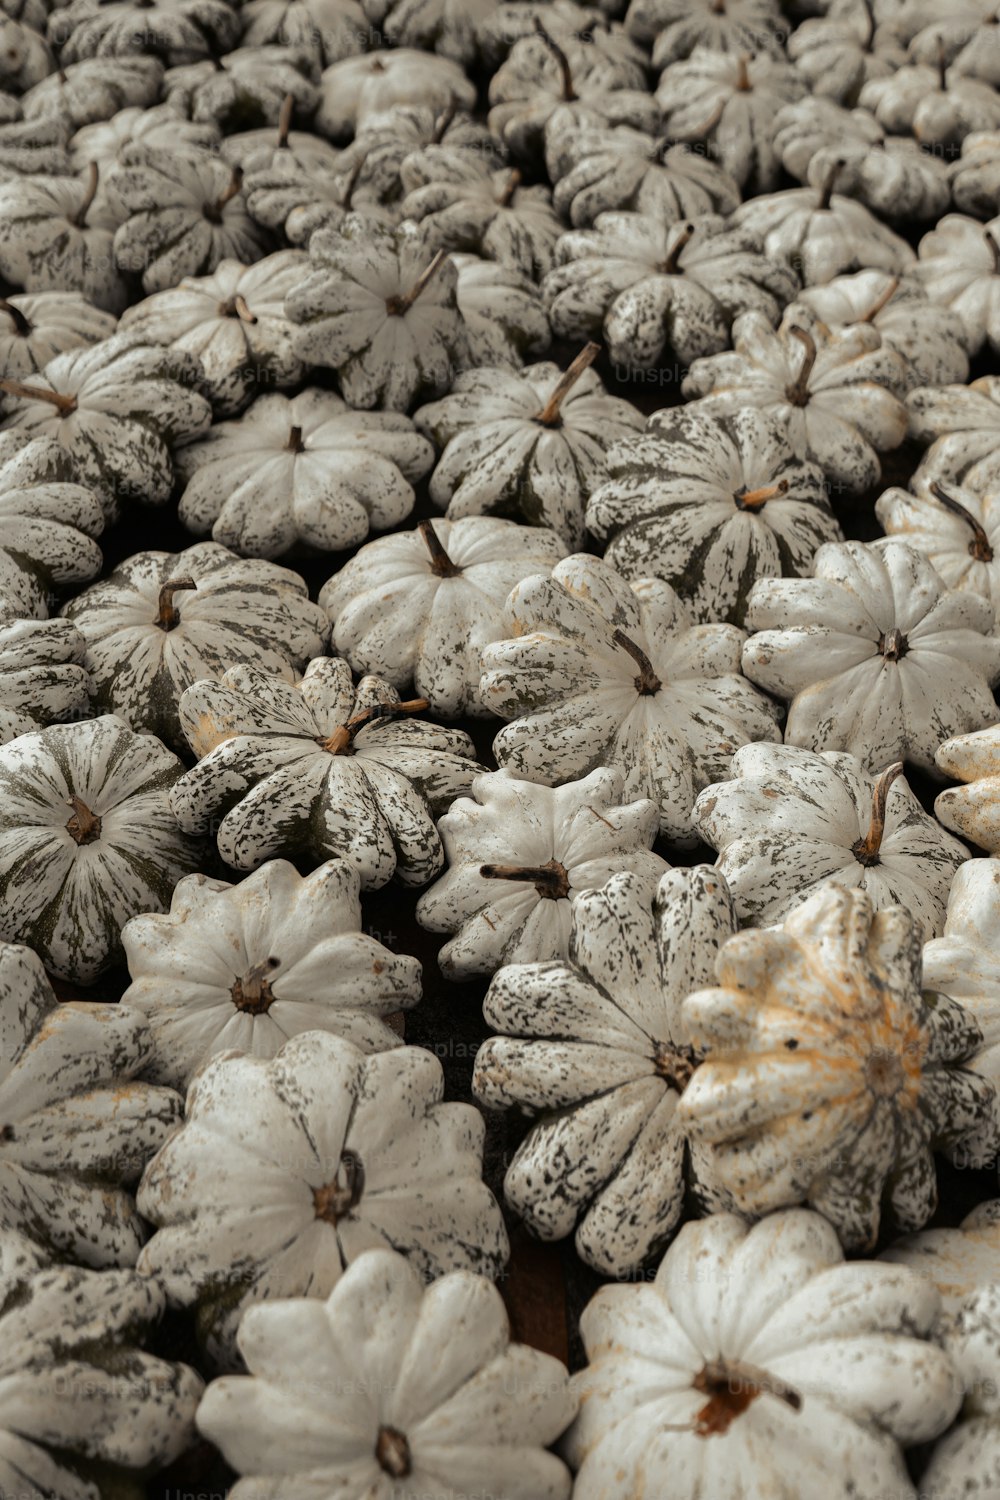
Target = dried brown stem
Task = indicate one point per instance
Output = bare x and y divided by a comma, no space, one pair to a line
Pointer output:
647,681
168,615
441,563
980,547
549,414
866,850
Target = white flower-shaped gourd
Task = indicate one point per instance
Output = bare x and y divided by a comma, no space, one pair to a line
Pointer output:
320,769
957,1261
838,52
118,409
391,1388
729,101
87,840
956,528
85,1411
270,148
967,1459
930,338
25,58
874,654
356,88
43,679
837,823
831,1076
245,90
287,1170
305,468
960,268
527,443
962,35
87,92
379,307
821,233
399,148
514,19
475,208
448,27
247,966
505,320
711,504
180,213
649,288
158,126
935,105
56,235
597,168
519,855
836,391
234,322
35,327
30,146
600,671
177,31
299,198
975,177
48,523
418,607
161,621
77,1127
326,31
961,426
677,27
972,809
758,1351
593,1048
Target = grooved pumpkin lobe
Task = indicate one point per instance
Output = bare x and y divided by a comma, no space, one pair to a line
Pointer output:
334,1200
252,992
83,826
392,1452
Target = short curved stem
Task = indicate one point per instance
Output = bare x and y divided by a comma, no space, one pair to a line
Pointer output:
21,325
251,992
285,121
510,187
342,738
743,84
352,182
295,443
826,191
235,184
942,68
980,547
441,563
89,194
334,1200
443,123
401,303
167,614
237,307
647,682
551,880
866,849
669,267
798,392
549,414
882,300
758,498
568,91
64,404
84,826
991,240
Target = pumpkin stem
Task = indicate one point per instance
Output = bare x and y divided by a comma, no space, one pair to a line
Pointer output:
942,68
647,681
990,239
550,880
285,121
826,191
757,499
743,84
65,404
392,1453
881,301
401,303
84,826
719,7
798,392
980,547
21,325
213,211
441,563
352,182
675,1064
731,1386
89,194
893,644
509,189
342,738
167,614
237,307
669,267
295,443
569,92
253,993
870,18
549,414
443,122
334,1200
866,850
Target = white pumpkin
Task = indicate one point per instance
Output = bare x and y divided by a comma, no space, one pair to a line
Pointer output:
42,676
711,504
357,87
448,27
397,148
418,607
118,409
975,177
56,235
233,321
874,654
77,1127
839,51
34,328
514,19
30,146
601,671
87,840
25,58
161,621
593,1049
158,127
86,92
306,468
956,528
837,823
349,1153
939,107
972,809
326,31
960,268
506,324
677,27
821,233
320,769
355,1375
830,1076
962,35
378,307
245,90
758,1352
474,208
930,338
650,289
730,102
247,966
47,524
836,390
967,1459
526,443
961,423
299,200
86,1412
178,31
956,1261
519,854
